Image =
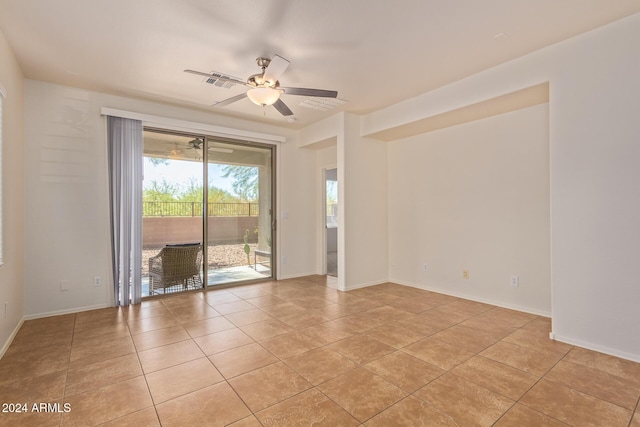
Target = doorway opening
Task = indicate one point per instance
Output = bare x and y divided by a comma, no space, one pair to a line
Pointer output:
331,220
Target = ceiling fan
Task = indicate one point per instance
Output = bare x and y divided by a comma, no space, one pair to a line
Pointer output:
264,88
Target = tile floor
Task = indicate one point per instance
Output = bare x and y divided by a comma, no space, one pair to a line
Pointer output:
297,353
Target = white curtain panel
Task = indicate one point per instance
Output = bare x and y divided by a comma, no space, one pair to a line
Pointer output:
125,182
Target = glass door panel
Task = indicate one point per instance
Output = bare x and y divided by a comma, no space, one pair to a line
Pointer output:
239,220
172,249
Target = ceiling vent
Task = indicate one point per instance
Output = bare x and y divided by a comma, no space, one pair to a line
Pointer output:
322,104
213,80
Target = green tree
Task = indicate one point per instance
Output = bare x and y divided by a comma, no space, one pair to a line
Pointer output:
245,181
162,191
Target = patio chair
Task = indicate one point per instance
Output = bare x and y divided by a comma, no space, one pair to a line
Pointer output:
176,267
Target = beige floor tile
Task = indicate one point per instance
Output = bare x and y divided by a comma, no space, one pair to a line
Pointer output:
310,408
182,379
404,371
138,326
521,416
18,367
362,393
360,322
573,407
241,360
470,339
248,317
222,341
31,418
100,374
498,377
250,421
526,359
48,387
267,386
265,300
169,355
283,309
261,331
529,339
107,403
467,403
216,405
151,339
291,344
100,350
596,383
613,365
218,297
438,353
361,349
395,335
423,324
305,320
233,307
90,335
405,338
145,418
412,412
320,365
191,315
328,332
207,326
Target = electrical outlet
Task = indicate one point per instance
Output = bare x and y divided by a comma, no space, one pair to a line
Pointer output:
515,281
465,274
64,285
97,281
425,267
284,259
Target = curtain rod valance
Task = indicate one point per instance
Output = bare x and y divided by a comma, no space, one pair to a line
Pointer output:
189,126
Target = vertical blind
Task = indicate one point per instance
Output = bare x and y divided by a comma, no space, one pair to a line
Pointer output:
125,182
2,95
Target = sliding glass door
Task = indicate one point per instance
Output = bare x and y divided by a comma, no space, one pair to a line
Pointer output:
239,231
194,238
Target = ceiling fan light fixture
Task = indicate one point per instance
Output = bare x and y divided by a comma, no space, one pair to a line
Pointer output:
263,96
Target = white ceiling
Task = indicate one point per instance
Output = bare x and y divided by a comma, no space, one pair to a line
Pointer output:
373,52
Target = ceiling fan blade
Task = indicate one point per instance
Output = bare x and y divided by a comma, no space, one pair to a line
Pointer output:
221,78
320,93
230,100
276,67
282,108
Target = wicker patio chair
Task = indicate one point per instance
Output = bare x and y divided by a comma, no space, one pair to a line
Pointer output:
175,268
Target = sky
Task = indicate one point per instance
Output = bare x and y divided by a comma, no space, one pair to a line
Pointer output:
181,171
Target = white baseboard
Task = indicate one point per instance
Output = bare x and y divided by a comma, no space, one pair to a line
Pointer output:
6,345
296,276
65,311
364,285
475,298
597,347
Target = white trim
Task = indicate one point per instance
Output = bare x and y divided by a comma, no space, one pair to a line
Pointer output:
474,298
7,344
189,126
596,347
3,91
362,285
66,311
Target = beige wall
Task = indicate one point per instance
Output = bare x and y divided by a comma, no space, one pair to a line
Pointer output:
66,142
13,169
476,197
157,232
